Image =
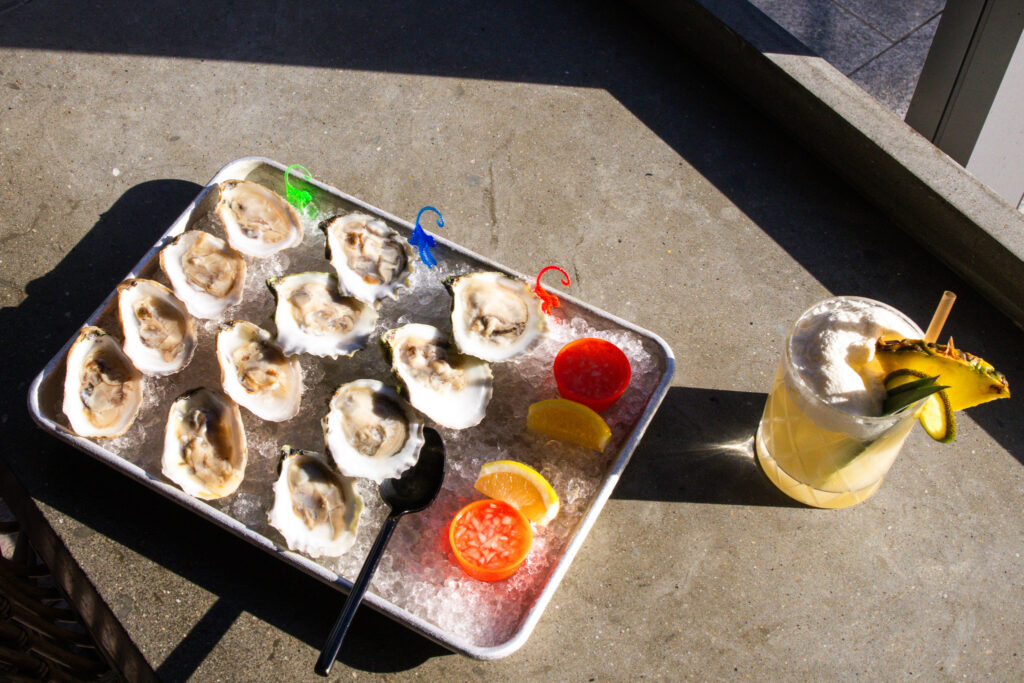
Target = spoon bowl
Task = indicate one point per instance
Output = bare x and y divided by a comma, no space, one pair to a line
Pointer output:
417,487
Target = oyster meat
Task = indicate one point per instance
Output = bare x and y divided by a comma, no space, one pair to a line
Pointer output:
313,317
315,509
370,432
159,335
102,389
257,221
204,444
494,316
450,388
371,259
205,273
256,373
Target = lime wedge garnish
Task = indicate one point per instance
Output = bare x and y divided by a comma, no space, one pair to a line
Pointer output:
937,418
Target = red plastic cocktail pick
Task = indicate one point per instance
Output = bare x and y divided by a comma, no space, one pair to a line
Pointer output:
548,300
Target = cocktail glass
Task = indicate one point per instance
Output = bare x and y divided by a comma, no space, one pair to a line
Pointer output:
814,452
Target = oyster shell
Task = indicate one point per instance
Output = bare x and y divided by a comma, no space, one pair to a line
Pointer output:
313,317
205,273
256,373
315,509
204,444
371,432
102,389
371,259
494,316
257,221
159,335
450,388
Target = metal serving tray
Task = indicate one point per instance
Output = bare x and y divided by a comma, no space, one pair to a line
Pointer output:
416,584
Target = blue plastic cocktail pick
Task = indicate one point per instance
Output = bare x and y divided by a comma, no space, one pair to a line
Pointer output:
422,240
298,198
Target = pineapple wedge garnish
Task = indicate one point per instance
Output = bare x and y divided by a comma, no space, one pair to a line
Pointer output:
971,380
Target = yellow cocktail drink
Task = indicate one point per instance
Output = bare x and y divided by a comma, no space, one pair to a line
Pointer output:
821,440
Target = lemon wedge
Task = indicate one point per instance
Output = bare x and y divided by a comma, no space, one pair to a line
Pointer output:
521,486
569,421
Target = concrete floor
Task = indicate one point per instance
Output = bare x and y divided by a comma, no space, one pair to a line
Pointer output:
881,45
548,132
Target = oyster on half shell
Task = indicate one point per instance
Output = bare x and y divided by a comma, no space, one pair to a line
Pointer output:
371,432
256,373
315,509
494,316
312,316
102,389
159,335
205,273
257,221
204,444
452,389
371,259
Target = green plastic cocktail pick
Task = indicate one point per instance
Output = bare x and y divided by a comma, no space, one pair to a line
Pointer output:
297,197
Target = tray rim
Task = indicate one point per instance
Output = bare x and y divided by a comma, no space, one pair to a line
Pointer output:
421,626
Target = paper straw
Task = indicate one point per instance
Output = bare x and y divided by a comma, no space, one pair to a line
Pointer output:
939,319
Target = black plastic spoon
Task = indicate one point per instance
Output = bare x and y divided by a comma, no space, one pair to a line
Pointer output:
412,492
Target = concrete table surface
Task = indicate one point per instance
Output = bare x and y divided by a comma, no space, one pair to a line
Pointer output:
547,133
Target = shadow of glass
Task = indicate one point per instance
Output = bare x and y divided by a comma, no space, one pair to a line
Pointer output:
699,448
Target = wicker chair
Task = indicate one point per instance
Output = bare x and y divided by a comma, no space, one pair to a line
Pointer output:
53,624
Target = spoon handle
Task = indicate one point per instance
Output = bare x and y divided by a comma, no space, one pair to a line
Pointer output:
329,651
